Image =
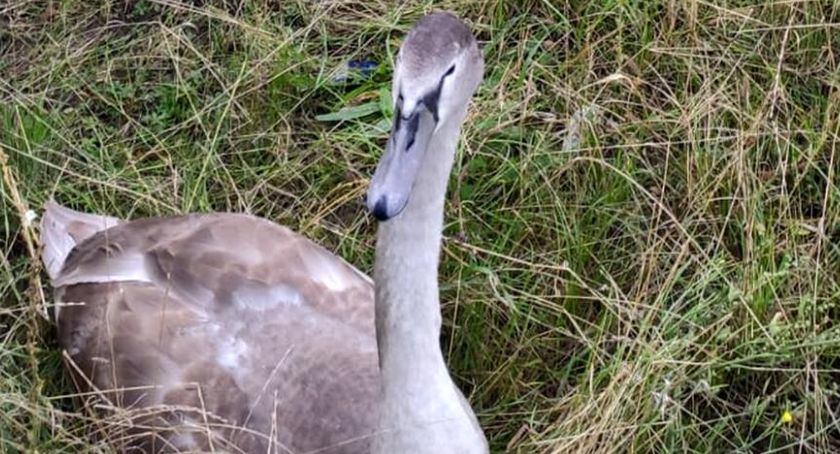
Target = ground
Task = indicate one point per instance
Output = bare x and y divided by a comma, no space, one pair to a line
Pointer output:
642,245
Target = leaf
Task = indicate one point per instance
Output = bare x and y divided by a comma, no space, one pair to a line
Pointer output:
385,101
350,113
383,126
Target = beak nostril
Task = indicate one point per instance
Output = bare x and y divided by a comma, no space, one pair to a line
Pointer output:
380,209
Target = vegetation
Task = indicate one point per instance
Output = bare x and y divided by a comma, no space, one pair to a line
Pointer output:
642,247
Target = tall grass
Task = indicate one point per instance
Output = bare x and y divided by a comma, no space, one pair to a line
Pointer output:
642,246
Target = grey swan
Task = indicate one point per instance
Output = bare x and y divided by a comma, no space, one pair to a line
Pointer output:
226,332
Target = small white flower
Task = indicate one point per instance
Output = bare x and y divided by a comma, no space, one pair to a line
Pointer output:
29,217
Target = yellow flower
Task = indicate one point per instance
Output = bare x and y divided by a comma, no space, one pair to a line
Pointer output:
787,417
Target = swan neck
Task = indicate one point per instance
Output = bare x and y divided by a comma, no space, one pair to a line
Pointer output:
408,316
407,256
422,411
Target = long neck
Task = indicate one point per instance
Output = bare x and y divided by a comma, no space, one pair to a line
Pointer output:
406,272
422,410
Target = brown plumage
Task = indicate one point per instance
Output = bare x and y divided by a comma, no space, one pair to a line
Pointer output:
230,333
217,331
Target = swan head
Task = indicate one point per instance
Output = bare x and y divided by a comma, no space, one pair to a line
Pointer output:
438,69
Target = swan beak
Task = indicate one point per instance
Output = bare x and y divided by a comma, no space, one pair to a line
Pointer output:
394,177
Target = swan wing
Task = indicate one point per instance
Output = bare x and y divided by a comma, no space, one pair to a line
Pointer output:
258,327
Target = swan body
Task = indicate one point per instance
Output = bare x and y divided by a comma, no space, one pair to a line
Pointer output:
260,328
231,333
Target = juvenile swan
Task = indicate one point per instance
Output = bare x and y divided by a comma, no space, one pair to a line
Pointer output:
225,332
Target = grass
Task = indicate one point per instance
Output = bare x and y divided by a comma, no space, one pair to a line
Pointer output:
642,246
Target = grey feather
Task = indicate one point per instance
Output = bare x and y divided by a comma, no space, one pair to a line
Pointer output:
260,339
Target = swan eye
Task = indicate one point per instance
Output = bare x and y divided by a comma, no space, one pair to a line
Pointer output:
450,71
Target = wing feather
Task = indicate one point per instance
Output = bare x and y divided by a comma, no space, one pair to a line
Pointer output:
261,329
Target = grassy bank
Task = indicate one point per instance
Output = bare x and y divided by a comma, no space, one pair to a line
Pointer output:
642,246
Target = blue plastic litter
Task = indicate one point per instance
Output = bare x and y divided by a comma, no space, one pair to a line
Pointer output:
356,70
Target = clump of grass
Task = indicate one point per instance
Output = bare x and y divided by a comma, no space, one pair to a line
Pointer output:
642,243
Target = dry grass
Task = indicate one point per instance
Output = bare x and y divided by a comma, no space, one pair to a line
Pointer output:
642,242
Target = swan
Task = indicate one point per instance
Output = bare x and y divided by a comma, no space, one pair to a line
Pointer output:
227,332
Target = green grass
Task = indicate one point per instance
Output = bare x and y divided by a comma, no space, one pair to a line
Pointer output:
642,246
